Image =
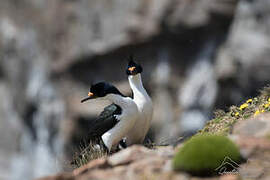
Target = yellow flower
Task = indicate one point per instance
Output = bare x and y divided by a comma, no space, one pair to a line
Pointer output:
262,110
243,106
236,114
249,101
266,105
257,112
269,100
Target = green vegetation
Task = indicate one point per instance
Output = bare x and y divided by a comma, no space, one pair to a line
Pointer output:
203,154
223,122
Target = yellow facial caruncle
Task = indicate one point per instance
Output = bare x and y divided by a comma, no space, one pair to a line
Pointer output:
131,69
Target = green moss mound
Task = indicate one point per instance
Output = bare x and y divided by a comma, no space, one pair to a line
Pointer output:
206,155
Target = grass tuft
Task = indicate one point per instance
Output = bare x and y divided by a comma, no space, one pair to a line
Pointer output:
91,150
88,152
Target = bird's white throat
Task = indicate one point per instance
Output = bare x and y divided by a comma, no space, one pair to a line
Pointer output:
144,104
118,100
136,85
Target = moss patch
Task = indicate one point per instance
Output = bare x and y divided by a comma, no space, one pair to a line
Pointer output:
203,154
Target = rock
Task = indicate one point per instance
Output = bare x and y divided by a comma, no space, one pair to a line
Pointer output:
236,64
258,157
254,146
229,177
10,131
129,155
131,163
252,170
190,15
258,126
95,164
64,176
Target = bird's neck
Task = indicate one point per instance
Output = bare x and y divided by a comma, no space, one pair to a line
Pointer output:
118,100
136,85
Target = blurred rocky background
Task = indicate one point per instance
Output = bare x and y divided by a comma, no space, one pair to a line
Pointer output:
197,56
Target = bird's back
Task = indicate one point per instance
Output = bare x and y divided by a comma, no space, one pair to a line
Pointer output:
105,121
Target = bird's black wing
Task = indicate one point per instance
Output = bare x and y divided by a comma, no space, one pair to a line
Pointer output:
105,121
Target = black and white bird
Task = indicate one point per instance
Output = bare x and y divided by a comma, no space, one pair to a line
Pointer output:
117,119
143,102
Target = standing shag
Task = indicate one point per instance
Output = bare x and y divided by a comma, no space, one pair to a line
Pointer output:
118,119
143,102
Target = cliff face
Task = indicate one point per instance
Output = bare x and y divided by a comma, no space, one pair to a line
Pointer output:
197,55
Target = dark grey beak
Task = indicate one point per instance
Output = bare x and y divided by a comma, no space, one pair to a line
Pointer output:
90,96
85,99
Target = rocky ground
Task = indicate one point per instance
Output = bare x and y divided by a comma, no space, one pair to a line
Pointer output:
138,162
249,129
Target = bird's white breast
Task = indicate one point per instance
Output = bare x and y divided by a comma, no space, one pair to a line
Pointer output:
129,116
142,125
145,108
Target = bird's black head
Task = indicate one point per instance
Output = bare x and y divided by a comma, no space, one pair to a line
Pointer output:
133,68
100,90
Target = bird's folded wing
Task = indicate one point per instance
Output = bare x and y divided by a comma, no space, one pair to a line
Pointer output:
105,121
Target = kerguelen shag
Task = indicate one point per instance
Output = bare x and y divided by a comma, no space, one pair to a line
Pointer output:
143,102
117,119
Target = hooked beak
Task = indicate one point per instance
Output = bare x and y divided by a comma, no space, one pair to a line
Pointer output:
90,96
131,69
